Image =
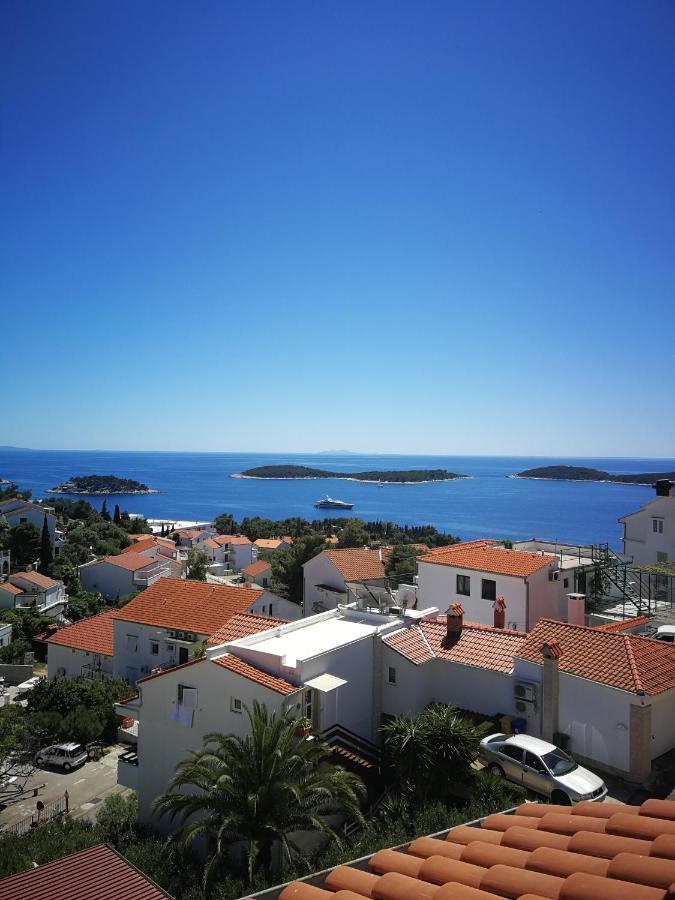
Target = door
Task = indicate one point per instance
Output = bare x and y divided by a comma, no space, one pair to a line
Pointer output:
535,774
511,761
182,655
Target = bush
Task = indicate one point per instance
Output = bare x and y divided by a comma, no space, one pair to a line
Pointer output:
81,698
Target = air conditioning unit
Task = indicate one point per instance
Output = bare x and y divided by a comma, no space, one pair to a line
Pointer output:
525,708
525,691
554,576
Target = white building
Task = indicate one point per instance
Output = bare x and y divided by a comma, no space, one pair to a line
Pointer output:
31,589
477,572
228,553
326,576
5,634
259,573
276,544
649,533
161,626
117,576
83,648
20,512
152,545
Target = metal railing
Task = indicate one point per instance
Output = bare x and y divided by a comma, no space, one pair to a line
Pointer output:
44,812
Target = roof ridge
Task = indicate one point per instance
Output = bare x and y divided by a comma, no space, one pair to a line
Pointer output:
424,638
639,687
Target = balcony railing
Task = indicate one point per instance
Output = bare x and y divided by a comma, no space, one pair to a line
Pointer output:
150,576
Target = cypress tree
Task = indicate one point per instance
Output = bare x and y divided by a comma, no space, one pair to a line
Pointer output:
117,518
46,552
104,511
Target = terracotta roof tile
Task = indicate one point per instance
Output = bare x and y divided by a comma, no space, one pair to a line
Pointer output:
257,568
234,664
625,661
268,543
187,605
243,625
479,645
130,561
94,634
481,556
356,565
623,625
234,539
84,875
35,578
10,588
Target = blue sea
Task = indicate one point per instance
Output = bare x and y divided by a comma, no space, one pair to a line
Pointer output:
196,486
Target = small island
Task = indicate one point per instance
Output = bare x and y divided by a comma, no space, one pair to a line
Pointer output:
583,473
101,484
396,476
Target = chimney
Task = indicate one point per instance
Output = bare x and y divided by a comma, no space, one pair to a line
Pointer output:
455,620
551,651
663,486
499,607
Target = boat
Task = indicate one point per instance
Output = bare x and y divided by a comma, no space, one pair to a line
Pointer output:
329,503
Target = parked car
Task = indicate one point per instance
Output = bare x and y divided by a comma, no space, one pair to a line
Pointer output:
665,633
541,767
66,756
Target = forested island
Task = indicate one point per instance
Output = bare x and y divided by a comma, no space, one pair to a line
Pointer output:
101,484
584,473
397,476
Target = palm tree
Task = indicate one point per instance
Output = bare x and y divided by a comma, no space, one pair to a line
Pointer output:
258,790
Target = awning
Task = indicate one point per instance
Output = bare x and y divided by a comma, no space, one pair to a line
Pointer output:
325,683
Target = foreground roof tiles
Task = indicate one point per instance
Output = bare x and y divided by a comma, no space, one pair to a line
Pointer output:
603,851
623,625
187,605
243,625
97,873
234,664
95,634
483,557
625,661
357,565
479,645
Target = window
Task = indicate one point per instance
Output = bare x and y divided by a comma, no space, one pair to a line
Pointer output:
514,753
308,704
235,705
566,582
488,589
464,585
187,696
132,643
23,520
657,526
154,648
391,678
170,648
661,556
533,762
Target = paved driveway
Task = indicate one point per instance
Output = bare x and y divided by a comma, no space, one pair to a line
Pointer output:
87,787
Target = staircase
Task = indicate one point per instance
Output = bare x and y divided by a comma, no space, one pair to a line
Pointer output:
352,747
615,569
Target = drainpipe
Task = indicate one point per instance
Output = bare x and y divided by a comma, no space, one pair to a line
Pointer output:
550,701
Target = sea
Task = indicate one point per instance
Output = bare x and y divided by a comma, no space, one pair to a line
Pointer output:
198,486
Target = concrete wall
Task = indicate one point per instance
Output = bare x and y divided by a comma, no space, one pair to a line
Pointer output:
163,742
663,723
72,660
319,570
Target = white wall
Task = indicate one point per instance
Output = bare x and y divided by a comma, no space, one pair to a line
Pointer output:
319,570
241,556
134,664
163,743
102,577
270,604
72,660
548,599
663,723
641,541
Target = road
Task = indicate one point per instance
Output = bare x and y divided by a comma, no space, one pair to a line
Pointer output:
87,787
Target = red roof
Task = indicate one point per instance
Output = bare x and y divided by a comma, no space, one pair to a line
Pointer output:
624,661
94,634
97,873
480,646
10,588
482,557
257,568
235,539
356,565
131,561
187,605
243,625
590,851
234,664
35,578
623,625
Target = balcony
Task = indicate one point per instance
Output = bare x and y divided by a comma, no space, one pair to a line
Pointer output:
128,709
127,769
146,577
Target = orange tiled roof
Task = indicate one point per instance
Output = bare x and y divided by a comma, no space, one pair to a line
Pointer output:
35,578
140,546
10,588
94,634
623,625
234,664
590,851
212,544
243,625
483,557
480,646
187,605
257,567
268,543
189,532
235,539
356,565
625,661
130,561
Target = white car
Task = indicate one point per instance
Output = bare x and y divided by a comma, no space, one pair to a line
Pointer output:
541,767
66,756
665,633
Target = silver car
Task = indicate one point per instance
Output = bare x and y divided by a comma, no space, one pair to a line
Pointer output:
541,767
66,756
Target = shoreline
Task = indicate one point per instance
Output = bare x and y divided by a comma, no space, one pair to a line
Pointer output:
346,478
101,493
582,480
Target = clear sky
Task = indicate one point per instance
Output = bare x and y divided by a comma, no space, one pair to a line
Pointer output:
399,226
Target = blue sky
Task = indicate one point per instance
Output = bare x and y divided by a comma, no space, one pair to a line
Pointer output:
411,227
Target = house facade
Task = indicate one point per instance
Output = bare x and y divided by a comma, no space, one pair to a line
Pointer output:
83,648
649,533
259,572
277,544
228,553
326,576
19,512
117,576
31,589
